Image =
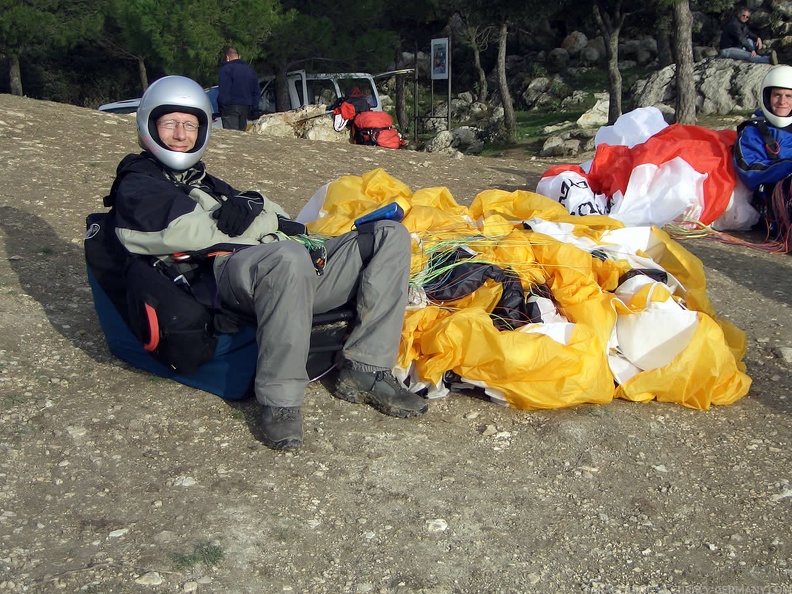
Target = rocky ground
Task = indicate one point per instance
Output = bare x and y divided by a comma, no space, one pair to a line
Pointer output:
112,480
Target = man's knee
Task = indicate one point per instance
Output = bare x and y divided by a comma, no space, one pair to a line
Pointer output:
289,259
394,233
392,245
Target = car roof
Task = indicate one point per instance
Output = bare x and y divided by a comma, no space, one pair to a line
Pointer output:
131,105
125,106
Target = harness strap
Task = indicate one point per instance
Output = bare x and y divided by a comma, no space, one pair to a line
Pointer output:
771,144
365,241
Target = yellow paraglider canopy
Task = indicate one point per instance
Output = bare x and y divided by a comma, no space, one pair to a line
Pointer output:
628,311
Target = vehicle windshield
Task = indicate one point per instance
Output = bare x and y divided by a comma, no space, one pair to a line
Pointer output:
358,87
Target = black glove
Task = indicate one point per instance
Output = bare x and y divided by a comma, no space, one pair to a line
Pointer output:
237,213
291,227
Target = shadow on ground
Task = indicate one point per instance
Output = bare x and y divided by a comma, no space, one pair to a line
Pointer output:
52,271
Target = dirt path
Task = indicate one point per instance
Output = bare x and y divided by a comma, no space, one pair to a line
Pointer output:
112,480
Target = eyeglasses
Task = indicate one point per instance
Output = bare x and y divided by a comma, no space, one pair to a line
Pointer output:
173,124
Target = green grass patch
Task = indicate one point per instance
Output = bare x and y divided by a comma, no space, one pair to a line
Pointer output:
12,399
204,553
530,131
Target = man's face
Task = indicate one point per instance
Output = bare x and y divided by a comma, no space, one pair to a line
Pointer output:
744,16
178,131
781,101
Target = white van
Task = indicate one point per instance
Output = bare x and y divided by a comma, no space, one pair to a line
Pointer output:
322,88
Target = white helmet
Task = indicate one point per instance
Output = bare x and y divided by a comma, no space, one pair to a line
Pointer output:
167,95
778,77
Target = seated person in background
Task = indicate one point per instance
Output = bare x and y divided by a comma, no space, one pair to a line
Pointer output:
164,203
740,43
763,151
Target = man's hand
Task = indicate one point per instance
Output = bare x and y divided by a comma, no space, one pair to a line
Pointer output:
291,227
237,213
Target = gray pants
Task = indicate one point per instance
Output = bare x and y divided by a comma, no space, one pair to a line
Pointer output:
276,283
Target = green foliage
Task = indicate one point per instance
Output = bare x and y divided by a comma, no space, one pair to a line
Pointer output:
204,553
135,31
197,41
249,25
374,49
26,26
281,53
40,26
332,35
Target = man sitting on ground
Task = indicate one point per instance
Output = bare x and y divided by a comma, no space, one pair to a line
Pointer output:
740,43
164,203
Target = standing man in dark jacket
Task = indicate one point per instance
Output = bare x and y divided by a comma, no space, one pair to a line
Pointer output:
740,43
238,91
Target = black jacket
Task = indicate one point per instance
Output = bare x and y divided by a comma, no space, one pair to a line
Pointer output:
159,212
736,34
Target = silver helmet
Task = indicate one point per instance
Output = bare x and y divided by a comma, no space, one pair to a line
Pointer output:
778,77
167,95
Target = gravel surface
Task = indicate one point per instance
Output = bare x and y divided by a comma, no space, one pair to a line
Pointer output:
112,480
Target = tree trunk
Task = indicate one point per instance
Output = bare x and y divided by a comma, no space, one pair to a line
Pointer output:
609,26
614,79
509,121
14,75
683,49
483,91
142,74
282,100
401,103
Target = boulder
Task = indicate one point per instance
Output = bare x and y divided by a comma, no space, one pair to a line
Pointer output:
596,116
312,122
322,129
534,90
558,58
274,126
576,98
723,86
467,139
598,44
442,141
557,146
574,42
466,97
590,55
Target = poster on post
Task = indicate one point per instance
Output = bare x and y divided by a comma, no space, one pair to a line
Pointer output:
439,57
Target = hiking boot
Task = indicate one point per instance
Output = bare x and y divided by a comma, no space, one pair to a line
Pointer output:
380,390
282,427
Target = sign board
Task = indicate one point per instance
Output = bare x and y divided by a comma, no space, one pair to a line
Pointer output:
439,57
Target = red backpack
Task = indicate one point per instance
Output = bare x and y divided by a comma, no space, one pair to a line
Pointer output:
375,128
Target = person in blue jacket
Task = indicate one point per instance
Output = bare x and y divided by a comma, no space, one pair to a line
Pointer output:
165,205
238,91
763,150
